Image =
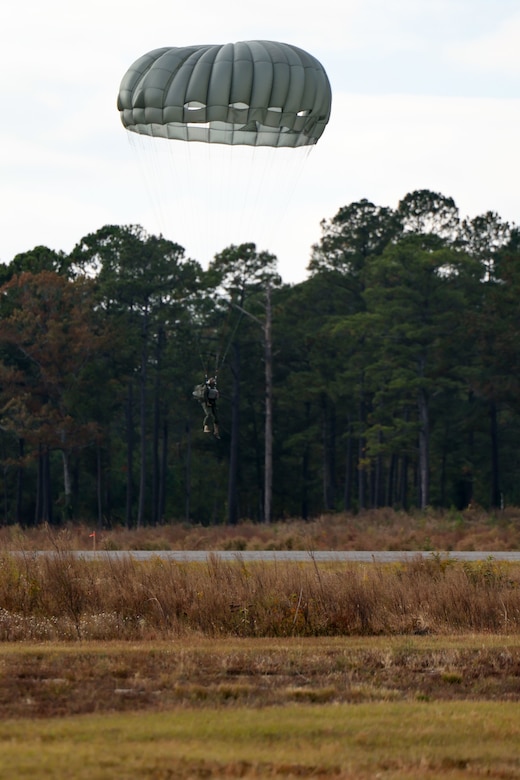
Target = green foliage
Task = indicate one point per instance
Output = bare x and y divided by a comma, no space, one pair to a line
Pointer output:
395,373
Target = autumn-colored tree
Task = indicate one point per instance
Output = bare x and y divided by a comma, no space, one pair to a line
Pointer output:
48,333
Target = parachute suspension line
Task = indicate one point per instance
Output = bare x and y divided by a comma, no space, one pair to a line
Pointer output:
223,186
176,176
262,181
219,362
146,152
204,368
184,187
208,183
208,196
205,363
165,171
258,193
287,167
244,170
229,342
202,168
237,194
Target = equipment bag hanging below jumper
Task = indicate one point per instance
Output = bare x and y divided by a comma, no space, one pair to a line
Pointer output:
198,392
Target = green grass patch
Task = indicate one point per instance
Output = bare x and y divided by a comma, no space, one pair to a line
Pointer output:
391,740
338,707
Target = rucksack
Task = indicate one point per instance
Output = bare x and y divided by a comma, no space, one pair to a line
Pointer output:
198,392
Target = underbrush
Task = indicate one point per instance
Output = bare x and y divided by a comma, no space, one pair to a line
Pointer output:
62,596
378,529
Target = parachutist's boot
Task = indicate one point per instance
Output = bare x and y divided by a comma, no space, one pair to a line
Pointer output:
207,429
215,432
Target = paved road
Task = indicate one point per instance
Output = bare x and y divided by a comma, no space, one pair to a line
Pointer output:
367,556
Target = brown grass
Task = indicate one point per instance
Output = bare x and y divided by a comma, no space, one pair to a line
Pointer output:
61,596
70,679
381,529
408,667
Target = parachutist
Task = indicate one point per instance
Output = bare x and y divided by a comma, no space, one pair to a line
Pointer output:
207,394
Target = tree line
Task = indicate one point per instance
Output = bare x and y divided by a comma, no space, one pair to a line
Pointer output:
389,377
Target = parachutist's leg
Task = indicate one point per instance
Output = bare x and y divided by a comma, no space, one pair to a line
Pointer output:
207,415
215,421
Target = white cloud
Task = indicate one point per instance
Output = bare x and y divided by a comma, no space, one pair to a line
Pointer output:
462,147
497,51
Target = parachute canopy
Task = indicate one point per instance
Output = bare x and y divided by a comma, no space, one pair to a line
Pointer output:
257,93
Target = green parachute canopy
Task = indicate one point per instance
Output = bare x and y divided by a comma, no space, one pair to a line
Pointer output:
256,93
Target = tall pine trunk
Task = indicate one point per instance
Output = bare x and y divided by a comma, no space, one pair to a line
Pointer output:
496,498
142,422
424,449
305,466
130,443
19,482
67,489
329,453
187,473
235,438
99,485
347,487
163,472
156,512
268,444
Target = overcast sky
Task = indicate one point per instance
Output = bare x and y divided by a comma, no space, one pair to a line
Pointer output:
425,96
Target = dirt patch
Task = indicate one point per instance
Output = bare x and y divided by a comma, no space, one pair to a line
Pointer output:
66,680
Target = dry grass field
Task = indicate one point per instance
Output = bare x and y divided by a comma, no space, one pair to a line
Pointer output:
353,708
379,529
45,680
61,596
160,669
